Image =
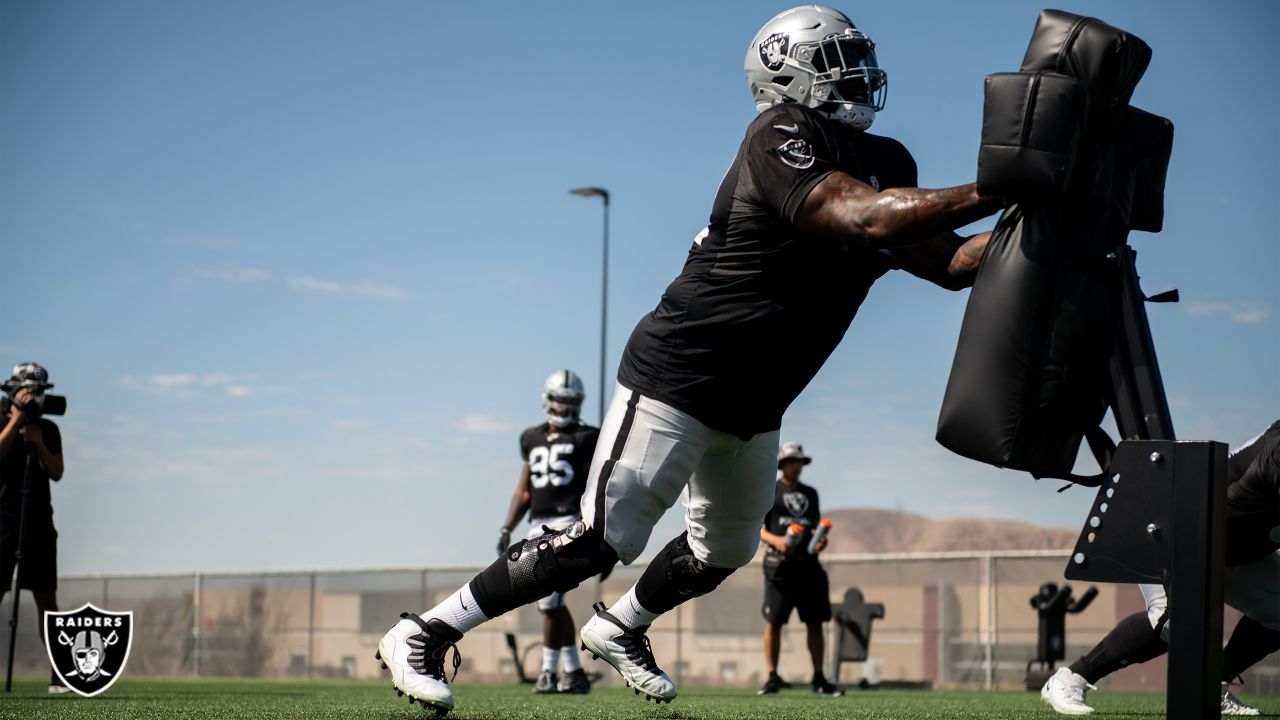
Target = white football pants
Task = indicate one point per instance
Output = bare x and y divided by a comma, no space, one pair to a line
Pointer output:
649,453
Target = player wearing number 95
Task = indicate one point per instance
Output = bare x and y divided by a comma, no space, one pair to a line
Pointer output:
557,455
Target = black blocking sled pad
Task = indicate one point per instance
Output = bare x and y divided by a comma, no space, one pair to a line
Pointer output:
1031,372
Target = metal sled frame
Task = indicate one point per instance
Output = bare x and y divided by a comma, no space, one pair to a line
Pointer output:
1160,513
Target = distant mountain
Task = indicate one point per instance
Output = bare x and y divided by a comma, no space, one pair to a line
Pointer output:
866,530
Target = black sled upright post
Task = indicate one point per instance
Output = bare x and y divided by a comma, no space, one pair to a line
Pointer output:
1160,513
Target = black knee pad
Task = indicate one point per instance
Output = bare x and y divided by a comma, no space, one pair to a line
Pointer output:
532,569
675,576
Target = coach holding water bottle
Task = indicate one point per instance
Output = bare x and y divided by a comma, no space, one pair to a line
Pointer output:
793,577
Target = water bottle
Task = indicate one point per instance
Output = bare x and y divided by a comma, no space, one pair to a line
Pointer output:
794,532
819,535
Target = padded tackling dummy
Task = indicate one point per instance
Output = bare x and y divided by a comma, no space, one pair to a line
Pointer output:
1031,126
1031,370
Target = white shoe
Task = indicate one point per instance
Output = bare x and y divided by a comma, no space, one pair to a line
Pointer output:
63,689
1231,704
628,651
413,650
1065,692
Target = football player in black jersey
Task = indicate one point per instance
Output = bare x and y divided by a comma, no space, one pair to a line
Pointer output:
811,212
1251,584
557,455
793,577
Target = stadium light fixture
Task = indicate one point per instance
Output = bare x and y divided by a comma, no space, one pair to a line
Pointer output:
604,283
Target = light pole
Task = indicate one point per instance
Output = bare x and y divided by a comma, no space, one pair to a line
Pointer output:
604,282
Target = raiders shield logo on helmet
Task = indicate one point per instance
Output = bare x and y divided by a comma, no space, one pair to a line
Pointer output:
797,502
88,647
773,51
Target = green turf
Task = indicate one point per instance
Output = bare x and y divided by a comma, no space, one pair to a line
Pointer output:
267,699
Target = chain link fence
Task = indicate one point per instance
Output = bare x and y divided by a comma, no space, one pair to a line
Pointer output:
951,620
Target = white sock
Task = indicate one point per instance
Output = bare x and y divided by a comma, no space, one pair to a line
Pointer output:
569,654
550,656
460,610
629,611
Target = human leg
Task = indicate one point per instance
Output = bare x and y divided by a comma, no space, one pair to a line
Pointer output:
727,496
1131,641
1252,589
772,647
1249,643
554,618
776,609
1134,639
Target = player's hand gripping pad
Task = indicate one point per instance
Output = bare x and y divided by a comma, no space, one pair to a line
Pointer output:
1030,375
1031,124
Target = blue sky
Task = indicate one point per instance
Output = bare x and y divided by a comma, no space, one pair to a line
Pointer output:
301,267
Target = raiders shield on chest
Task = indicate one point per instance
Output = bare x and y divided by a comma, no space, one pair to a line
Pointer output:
88,647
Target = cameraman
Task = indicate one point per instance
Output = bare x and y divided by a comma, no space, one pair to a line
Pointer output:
38,570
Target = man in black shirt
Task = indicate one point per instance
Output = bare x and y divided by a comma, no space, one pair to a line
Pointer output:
793,577
38,570
1251,584
811,212
557,456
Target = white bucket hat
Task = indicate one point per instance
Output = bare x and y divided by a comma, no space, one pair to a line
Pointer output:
793,451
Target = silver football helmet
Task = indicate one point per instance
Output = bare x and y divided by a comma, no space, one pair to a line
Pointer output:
562,396
815,56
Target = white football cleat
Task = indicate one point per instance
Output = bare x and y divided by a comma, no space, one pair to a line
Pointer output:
1065,692
413,650
1231,704
628,651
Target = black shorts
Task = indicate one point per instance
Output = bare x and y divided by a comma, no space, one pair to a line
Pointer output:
803,587
39,569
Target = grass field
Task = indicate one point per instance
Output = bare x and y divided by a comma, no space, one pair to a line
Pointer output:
349,700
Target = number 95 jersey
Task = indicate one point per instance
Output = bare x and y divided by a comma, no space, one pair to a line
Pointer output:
559,459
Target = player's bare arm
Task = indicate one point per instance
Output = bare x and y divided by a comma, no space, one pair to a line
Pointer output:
519,500
12,428
49,462
842,207
777,542
948,260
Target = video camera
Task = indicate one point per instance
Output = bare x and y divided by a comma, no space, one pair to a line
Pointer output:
42,404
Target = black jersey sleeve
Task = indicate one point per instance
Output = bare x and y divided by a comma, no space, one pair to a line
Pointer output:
788,152
52,436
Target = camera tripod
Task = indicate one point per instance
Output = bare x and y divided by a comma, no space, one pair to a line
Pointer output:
17,564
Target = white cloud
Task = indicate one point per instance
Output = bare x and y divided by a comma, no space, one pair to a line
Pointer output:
1244,312
365,288
478,423
183,385
240,275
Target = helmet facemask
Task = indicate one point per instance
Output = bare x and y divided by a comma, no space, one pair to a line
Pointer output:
848,84
562,411
562,396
